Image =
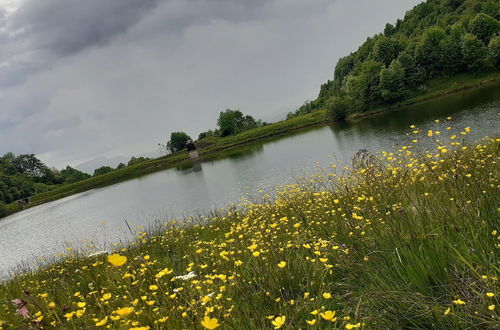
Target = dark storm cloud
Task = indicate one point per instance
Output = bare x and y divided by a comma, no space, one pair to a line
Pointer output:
106,79
65,27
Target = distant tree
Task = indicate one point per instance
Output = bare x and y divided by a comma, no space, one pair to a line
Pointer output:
233,121
386,50
429,52
102,170
71,175
208,133
494,51
121,165
363,89
29,165
392,87
412,75
136,160
454,4
389,30
177,141
484,27
475,52
338,108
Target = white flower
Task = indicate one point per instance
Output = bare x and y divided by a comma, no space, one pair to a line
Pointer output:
186,277
98,253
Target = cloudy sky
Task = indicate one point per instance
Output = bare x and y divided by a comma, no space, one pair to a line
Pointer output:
97,80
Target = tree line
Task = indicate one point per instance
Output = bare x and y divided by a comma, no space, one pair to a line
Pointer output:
230,122
22,176
438,38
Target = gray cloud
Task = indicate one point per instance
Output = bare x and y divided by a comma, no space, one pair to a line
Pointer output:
112,78
65,27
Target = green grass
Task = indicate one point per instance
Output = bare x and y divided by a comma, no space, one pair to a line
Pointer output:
410,242
217,148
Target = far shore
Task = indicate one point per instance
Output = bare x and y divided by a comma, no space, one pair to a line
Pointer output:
219,149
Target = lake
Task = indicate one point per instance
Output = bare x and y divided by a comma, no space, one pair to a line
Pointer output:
98,216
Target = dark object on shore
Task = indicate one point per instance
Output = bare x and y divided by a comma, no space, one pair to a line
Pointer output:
193,155
23,201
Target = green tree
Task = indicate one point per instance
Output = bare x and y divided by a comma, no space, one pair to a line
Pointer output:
429,52
363,88
102,170
233,121
177,141
475,53
494,51
71,175
386,50
412,75
338,108
392,87
484,27
137,160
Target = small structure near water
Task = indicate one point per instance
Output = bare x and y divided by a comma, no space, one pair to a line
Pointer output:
193,155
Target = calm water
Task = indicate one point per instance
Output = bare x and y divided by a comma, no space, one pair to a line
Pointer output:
99,215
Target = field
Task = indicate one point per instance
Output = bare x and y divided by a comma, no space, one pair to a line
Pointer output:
407,239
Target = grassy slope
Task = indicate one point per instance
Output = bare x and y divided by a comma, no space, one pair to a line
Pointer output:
414,245
435,88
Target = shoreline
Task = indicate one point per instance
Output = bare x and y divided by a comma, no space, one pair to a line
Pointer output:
314,119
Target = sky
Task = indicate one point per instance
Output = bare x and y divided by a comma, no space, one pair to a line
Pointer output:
94,82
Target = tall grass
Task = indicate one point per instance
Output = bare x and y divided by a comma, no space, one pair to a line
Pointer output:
408,241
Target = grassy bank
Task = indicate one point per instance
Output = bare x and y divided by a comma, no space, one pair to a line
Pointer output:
216,148
411,241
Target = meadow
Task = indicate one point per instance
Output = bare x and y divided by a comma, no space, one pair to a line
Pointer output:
409,238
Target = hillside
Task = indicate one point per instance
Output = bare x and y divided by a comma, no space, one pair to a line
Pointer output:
436,39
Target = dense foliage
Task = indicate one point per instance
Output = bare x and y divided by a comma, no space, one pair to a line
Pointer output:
408,240
177,141
24,175
436,38
231,122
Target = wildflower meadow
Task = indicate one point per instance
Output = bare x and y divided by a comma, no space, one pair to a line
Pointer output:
410,239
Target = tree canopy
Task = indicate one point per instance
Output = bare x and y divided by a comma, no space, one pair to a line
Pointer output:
177,141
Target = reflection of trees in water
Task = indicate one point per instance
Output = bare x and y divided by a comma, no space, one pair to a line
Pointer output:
399,120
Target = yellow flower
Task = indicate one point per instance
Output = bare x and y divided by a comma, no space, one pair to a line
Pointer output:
80,312
153,287
124,311
327,295
279,321
256,253
81,304
210,323
490,294
139,328
106,296
447,311
311,322
282,264
52,304
69,316
163,319
352,326
459,302
117,260
102,322
328,315
491,307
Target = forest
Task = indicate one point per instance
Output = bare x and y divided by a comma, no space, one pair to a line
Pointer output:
438,38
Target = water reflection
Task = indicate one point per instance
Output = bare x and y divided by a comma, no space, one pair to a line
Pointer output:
43,230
